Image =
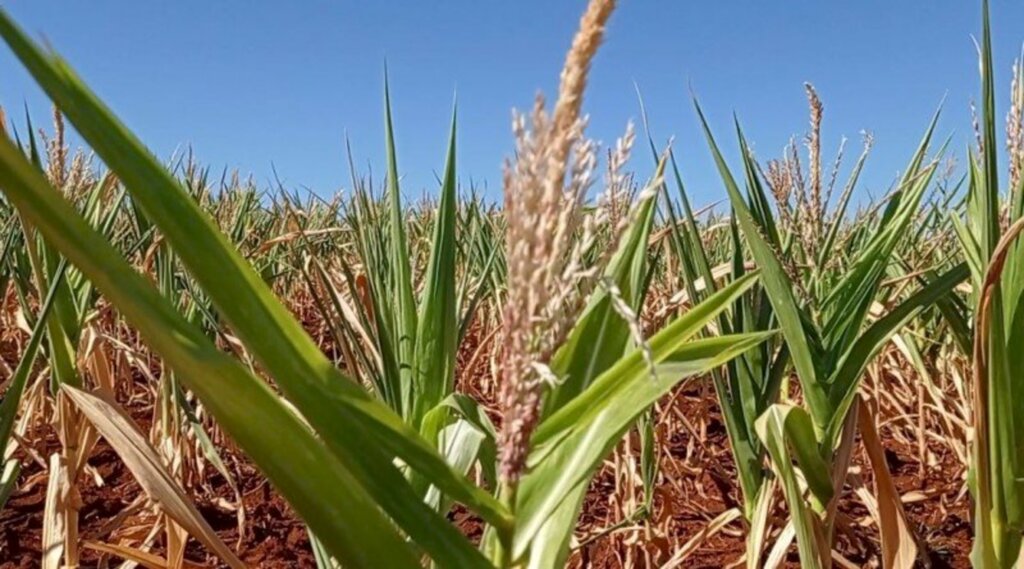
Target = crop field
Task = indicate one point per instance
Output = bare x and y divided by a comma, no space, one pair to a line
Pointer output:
595,371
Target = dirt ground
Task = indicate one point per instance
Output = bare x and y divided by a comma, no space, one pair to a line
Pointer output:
696,483
274,537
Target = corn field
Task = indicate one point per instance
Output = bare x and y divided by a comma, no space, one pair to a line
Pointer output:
596,371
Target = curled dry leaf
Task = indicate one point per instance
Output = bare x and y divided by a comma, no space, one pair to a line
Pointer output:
144,463
899,544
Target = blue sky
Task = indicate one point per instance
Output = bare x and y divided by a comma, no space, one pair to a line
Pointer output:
262,85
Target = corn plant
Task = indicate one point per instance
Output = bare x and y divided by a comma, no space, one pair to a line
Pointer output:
988,237
829,340
751,382
417,384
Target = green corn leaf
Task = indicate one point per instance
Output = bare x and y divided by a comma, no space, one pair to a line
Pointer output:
460,443
987,196
800,439
971,249
685,235
550,546
997,481
436,346
404,325
470,411
783,428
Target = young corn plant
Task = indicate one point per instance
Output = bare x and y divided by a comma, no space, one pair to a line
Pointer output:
747,385
335,452
830,337
989,236
376,327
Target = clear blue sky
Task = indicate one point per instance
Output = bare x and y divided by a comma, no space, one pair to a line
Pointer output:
253,84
